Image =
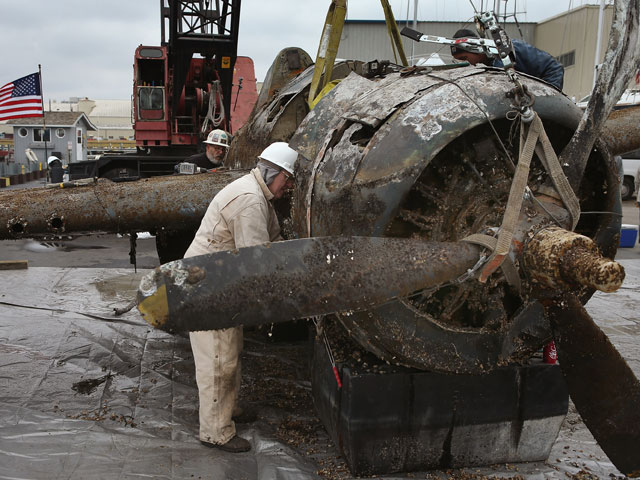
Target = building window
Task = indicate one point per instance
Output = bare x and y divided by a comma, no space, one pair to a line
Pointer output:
23,132
567,59
42,135
60,132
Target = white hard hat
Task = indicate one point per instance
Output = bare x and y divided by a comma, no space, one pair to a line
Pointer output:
218,137
52,158
281,155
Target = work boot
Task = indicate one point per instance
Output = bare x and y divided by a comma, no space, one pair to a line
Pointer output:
240,415
235,445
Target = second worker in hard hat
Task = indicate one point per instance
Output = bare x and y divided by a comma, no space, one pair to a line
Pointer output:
240,215
56,172
216,146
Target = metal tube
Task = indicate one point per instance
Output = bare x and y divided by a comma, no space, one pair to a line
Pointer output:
178,201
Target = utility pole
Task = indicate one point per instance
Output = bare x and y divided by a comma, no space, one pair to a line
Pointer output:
415,27
596,61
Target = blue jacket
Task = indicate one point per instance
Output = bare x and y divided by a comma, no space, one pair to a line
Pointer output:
536,63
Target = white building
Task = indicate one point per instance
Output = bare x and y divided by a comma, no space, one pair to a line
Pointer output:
112,118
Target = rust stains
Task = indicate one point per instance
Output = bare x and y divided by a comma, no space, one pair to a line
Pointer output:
177,201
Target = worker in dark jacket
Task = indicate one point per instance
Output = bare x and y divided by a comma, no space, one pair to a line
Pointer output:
56,172
171,244
529,59
216,146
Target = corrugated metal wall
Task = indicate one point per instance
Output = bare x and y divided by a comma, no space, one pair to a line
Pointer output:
575,32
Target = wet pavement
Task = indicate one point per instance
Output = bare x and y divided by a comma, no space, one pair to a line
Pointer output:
93,251
88,395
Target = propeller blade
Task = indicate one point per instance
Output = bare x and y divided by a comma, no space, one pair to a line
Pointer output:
620,63
620,132
602,386
295,279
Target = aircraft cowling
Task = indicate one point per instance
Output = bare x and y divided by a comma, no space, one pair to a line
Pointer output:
423,153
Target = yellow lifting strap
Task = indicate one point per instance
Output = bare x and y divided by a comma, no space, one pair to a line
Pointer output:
327,88
330,41
394,34
328,48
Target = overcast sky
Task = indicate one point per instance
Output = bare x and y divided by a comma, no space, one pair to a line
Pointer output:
86,47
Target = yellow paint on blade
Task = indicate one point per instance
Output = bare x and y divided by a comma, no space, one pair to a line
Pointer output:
155,308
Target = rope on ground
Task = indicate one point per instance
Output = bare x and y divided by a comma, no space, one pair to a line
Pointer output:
120,311
88,315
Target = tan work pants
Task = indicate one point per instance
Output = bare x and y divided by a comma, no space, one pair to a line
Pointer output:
217,357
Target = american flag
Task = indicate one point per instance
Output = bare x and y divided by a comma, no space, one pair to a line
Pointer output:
21,98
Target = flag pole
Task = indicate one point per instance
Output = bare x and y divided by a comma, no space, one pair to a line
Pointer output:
44,120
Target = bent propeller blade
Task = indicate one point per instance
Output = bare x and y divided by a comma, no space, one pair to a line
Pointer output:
620,64
602,386
295,279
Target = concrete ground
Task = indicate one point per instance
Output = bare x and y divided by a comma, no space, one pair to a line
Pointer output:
575,453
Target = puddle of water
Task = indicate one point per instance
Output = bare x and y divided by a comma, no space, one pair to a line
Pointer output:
141,235
22,350
33,246
70,247
120,287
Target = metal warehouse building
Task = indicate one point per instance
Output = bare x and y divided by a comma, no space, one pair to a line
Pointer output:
570,37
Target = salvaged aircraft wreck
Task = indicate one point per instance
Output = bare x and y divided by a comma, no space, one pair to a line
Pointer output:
431,215
437,162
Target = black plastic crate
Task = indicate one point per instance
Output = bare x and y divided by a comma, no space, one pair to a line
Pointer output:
413,420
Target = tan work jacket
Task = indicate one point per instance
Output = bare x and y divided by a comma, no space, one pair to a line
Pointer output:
240,215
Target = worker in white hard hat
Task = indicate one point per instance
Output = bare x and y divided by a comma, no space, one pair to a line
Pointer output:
55,171
53,158
216,146
240,215
171,244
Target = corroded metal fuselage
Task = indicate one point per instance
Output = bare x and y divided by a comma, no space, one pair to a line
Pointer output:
431,155
426,154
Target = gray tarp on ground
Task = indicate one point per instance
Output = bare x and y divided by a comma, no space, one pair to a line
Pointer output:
139,421
135,415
